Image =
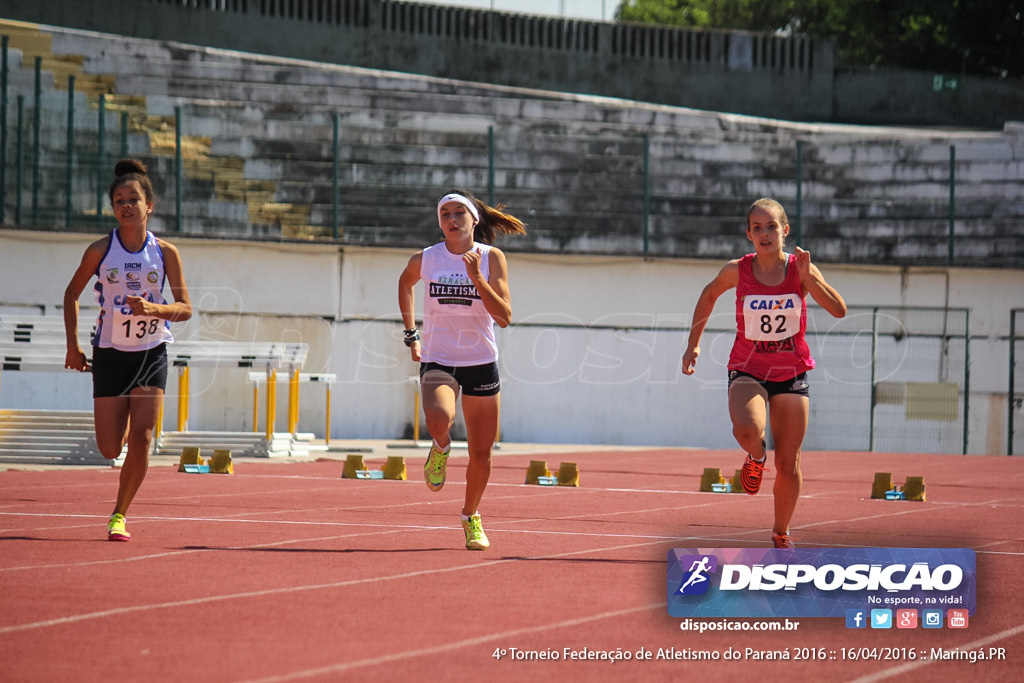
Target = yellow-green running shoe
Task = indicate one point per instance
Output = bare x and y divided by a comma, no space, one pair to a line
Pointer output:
115,528
476,539
434,468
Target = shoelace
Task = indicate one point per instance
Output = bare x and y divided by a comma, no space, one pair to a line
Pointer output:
476,527
437,461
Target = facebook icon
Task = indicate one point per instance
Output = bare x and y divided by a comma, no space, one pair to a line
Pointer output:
856,618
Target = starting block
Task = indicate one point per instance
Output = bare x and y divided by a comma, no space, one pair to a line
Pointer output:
568,474
712,481
538,473
735,483
353,464
195,469
537,469
355,468
394,468
220,463
190,458
884,488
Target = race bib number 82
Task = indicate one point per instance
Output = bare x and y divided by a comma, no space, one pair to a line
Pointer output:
771,317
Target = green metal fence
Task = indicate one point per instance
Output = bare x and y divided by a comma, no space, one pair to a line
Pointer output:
325,172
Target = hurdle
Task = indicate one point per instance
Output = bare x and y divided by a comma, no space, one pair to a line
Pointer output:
294,379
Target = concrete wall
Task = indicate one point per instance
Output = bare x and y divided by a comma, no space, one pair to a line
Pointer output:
759,74
593,357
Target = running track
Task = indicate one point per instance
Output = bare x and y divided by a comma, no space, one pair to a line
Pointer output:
287,572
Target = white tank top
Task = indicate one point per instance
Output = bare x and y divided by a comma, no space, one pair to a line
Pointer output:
123,273
457,329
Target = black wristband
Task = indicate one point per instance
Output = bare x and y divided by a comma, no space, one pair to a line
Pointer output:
411,336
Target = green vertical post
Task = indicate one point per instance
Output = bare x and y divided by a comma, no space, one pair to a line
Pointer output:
19,163
179,171
490,165
37,124
336,189
647,193
1012,389
3,127
101,131
952,198
798,228
874,389
967,373
70,154
124,134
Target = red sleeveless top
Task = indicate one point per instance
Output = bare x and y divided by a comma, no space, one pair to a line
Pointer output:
770,325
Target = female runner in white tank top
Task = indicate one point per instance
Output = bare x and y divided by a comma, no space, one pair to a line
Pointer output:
129,358
466,292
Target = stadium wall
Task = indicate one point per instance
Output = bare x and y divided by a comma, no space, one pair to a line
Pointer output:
593,356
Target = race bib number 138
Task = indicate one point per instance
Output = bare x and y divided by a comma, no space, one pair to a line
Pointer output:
133,330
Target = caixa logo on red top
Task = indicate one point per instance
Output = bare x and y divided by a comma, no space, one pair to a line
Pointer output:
754,582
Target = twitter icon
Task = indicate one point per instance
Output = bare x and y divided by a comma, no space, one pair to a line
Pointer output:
881,618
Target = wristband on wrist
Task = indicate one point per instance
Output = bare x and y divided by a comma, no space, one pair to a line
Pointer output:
411,336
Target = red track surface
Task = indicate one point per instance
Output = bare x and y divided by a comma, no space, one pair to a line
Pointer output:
285,571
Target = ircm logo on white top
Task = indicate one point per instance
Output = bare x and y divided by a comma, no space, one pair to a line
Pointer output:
830,577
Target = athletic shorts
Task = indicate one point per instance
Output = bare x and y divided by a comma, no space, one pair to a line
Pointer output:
116,373
475,380
796,385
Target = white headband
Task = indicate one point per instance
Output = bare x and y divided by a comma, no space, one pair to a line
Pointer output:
454,197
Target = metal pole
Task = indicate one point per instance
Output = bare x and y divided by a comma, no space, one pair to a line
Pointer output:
19,160
647,193
37,123
3,127
124,134
799,191
100,140
874,362
952,198
1010,394
967,373
69,184
490,165
336,215
178,170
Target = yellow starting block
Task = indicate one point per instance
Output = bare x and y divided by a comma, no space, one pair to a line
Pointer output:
355,468
713,481
221,463
538,469
353,464
394,468
736,484
568,474
884,488
189,456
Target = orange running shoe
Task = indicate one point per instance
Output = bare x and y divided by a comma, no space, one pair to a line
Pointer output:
782,541
751,474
